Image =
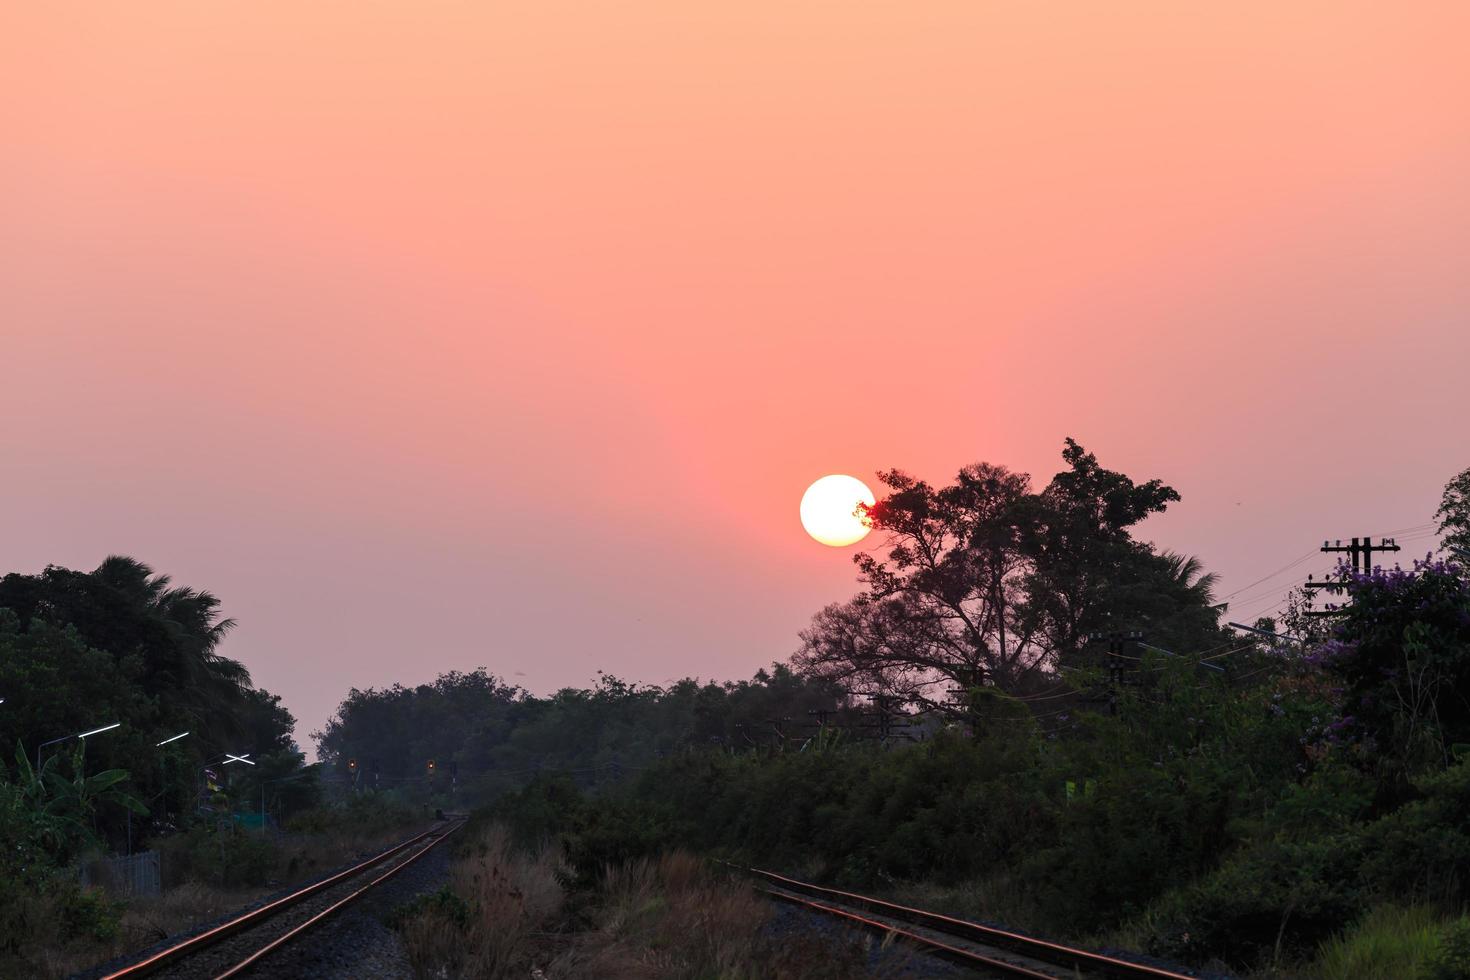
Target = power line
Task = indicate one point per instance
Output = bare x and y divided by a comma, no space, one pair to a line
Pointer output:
1265,578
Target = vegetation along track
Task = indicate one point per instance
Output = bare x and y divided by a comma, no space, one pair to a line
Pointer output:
984,948
237,945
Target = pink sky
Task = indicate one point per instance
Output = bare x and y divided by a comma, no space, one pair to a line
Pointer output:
432,335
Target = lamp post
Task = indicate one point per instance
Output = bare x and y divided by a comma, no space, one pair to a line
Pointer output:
67,738
161,793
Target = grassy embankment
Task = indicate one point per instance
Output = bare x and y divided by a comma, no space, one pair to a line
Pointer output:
511,912
206,874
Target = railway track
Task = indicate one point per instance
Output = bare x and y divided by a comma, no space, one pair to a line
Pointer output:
238,945
984,948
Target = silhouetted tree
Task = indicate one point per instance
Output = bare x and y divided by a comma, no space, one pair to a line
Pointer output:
1454,516
987,584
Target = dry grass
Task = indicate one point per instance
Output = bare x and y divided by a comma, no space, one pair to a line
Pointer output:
302,856
143,922
491,920
673,918
189,903
505,916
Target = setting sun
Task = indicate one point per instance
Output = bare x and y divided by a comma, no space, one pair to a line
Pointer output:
829,510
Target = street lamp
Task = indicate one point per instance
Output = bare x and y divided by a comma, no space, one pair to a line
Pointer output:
65,738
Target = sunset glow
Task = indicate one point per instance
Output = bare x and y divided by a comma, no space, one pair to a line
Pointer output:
521,296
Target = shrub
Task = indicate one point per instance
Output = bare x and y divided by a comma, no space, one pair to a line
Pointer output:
1277,900
227,856
1451,959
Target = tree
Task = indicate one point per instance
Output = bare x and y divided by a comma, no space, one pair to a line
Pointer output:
1084,560
123,644
124,608
1454,516
988,585
61,807
939,608
1401,651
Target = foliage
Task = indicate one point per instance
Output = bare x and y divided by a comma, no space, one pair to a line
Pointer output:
121,644
40,902
228,856
499,737
1451,960
366,812
1454,517
987,584
1402,654
1217,817
1389,943
61,808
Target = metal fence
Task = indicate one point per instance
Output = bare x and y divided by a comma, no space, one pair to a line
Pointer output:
138,874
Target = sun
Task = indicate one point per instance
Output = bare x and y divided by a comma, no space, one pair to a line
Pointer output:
829,510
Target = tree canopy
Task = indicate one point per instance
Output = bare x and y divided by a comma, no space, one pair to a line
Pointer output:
79,650
988,583
1454,516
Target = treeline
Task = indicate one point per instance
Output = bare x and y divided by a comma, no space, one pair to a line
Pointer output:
488,736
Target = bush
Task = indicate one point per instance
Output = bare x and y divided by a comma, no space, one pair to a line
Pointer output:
368,813
227,856
1451,960
1278,900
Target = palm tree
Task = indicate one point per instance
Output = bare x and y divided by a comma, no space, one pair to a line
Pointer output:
1189,579
187,637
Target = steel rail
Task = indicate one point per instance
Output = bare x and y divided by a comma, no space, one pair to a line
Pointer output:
248,920
280,941
964,957
1039,949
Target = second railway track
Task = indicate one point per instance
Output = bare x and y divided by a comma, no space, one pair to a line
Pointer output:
987,949
245,942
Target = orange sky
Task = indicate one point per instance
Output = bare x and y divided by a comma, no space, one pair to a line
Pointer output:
434,334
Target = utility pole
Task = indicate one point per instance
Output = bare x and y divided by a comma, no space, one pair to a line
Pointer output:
886,718
1361,552
973,678
1115,664
781,736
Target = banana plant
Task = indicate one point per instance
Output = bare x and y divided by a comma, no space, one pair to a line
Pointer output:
61,806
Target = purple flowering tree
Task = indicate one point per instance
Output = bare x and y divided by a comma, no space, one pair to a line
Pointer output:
1401,652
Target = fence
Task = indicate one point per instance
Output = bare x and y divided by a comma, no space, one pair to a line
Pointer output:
138,874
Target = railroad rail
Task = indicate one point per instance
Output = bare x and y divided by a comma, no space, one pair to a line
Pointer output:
986,948
238,944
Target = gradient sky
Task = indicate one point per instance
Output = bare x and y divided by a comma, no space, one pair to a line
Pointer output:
432,335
